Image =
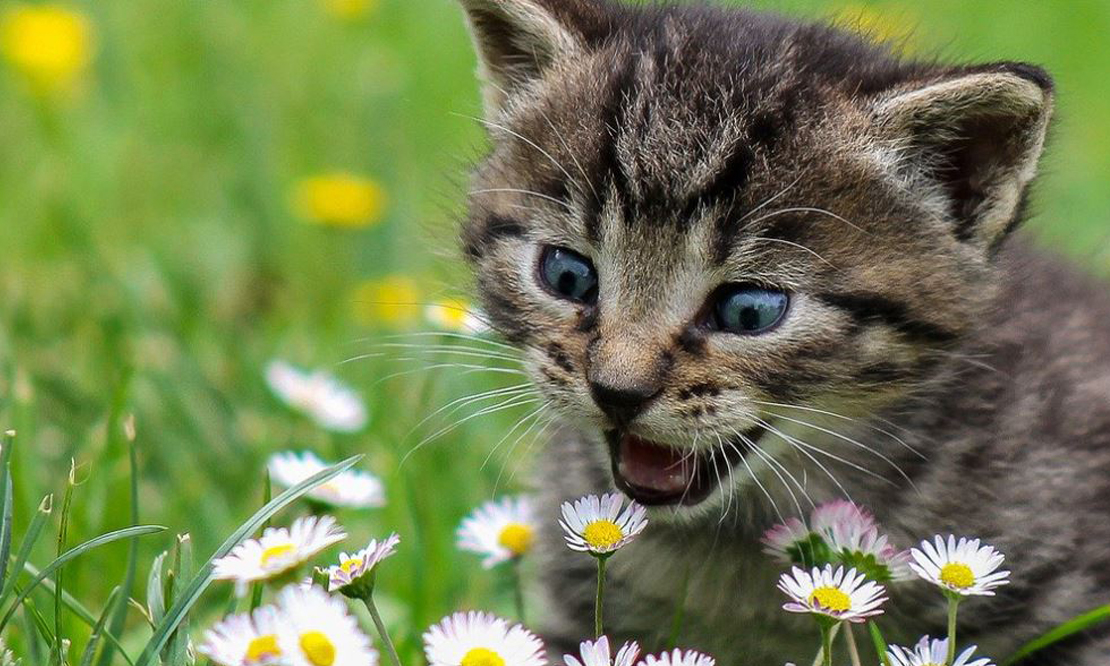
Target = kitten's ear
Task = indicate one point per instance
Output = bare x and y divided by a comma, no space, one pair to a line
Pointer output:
518,39
977,133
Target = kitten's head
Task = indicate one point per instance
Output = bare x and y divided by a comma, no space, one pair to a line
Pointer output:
696,222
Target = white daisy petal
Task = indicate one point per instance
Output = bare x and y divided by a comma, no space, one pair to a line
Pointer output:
963,567
319,395
932,652
500,530
597,653
277,552
481,639
832,592
320,631
597,525
678,657
352,488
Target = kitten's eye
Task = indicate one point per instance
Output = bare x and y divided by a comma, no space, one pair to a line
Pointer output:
569,275
748,310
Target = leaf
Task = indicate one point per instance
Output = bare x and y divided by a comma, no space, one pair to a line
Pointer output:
79,610
203,579
879,642
155,599
74,553
6,510
98,629
810,552
1065,630
30,538
176,649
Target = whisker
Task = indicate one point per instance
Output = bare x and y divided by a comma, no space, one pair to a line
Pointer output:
526,140
527,452
801,447
534,414
771,462
470,399
782,241
451,334
509,403
849,419
849,440
766,493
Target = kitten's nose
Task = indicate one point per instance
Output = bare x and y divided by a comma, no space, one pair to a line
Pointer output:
622,403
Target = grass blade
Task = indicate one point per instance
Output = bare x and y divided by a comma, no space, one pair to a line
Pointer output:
72,554
155,597
1065,630
203,578
30,538
98,629
6,511
79,610
267,495
183,564
59,584
879,642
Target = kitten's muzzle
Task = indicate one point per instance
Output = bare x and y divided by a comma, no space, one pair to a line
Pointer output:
622,403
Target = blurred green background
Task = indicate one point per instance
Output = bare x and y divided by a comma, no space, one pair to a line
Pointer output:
162,236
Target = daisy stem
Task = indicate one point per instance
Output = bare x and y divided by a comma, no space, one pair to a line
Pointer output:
853,651
598,631
369,601
821,652
826,644
953,604
518,590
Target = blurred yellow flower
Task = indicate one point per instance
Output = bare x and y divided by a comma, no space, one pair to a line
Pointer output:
50,44
887,25
339,199
349,10
394,299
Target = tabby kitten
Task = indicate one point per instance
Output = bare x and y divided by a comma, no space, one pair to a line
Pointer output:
752,263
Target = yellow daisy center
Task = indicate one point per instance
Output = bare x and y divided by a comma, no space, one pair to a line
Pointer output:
602,534
319,650
482,657
263,647
957,575
350,565
516,538
275,552
831,598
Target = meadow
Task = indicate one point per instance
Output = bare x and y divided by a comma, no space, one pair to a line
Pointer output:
165,233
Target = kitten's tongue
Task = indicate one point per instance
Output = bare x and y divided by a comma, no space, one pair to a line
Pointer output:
649,466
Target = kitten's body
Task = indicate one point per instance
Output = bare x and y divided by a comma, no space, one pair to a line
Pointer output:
1017,430
945,383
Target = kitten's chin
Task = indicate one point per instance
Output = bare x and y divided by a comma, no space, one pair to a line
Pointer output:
658,474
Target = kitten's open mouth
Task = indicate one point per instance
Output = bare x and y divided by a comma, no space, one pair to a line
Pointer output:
656,474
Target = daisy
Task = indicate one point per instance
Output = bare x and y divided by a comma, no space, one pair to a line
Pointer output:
597,525
961,567
320,631
500,530
352,488
455,316
596,653
244,640
279,551
839,532
677,657
932,652
354,575
321,396
833,593
481,639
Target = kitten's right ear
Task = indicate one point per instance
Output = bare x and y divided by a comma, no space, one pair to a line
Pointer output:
517,40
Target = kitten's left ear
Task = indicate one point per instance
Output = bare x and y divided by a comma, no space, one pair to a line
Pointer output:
978,133
517,40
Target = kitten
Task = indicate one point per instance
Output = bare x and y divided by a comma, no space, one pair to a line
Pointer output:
778,252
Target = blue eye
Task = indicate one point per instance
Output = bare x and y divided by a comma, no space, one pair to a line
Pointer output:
748,310
569,275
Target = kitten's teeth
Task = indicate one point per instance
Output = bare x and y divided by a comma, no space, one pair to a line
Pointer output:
653,467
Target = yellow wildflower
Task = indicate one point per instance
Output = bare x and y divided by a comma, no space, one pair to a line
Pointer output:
339,199
394,299
49,44
349,10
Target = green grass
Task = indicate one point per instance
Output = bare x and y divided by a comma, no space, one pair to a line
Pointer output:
149,265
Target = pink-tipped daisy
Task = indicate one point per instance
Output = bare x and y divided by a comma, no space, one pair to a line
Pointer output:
500,530
962,567
598,526
932,652
481,639
835,593
597,653
678,657
319,395
354,575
